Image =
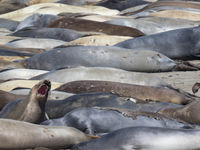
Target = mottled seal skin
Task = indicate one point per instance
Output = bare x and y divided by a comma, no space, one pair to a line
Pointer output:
97,121
145,138
36,20
31,109
79,2
100,56
188,113
180,43
52,33
94,26
38,136
126,90
56,109
122,4
7,97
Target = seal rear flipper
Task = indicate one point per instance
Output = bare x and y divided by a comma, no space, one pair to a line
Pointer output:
185,66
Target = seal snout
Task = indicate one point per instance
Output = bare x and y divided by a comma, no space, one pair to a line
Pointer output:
43,89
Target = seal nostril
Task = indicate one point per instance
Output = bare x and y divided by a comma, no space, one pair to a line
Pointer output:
48,83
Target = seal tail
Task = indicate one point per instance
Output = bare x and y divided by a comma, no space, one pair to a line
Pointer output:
92,136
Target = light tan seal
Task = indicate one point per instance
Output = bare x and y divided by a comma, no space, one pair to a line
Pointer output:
32,108
22,135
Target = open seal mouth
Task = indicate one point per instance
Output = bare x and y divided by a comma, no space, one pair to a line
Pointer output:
44,88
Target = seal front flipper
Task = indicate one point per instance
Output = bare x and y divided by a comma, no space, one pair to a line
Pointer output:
195,87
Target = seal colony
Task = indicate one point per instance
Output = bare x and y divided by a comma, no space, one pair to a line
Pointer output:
99,74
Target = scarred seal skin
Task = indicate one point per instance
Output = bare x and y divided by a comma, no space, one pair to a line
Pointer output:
32,108
98,121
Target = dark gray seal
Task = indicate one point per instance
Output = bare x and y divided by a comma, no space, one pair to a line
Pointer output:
121,4
8,24
180,43
52,33
31,109
97,121
148,138
36,20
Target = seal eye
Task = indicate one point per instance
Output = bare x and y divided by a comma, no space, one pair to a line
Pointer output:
42,90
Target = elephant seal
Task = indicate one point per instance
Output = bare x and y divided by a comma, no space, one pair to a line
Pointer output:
56,8
171,4
176,43
38,136
31,109
18,73
56,109
8,24
101,74
36,20
121,5
147,138
35,43
100,56
52,33
188,113
97,121
94,56
140,92
94,26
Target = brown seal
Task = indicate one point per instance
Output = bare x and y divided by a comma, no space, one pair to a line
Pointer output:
32,108
189,113
94,26
126,90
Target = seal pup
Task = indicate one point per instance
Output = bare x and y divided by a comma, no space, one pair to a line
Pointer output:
188,113
176,44
31,109
145,138
38,136
98,121
140,92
